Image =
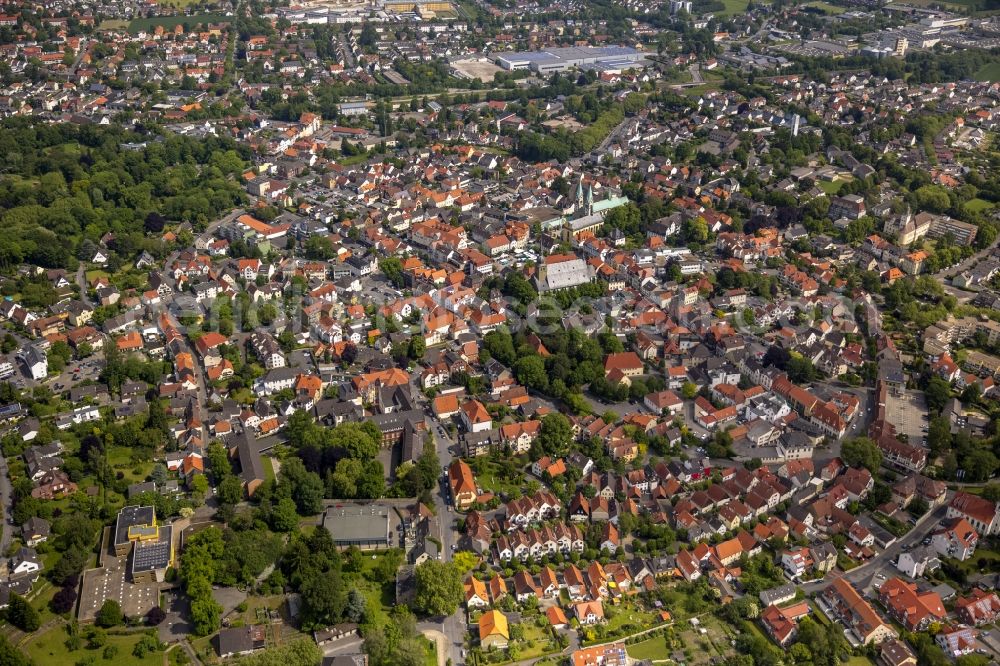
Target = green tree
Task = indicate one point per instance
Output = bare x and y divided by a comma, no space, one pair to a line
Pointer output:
199,484
10,655
938,392
392,268
205,615
230,490
417,347
438,588
530,371
324,598
110,614
554,436
355,441
284,517
861,452
21,614
319,247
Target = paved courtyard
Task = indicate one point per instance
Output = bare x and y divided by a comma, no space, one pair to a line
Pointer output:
908,411
110,582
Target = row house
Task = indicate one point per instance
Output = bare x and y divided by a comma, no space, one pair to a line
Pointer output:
524,511
534,543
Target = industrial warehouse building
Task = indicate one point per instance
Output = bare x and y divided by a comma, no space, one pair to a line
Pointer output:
366,527
561,59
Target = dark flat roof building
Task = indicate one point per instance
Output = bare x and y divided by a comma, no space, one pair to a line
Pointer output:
134,523
366,527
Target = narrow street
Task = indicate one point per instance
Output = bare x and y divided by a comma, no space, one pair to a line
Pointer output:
81,281
967,263
5,497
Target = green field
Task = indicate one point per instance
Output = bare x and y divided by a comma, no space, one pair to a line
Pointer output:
50,648
830,187
654,649
734,7
170,22
977,205
114,24
268,468
989,72
826,7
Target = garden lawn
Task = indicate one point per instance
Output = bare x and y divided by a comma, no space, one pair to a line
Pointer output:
96,273
42,593
50,648
653,648
491,481
830,186
971,565
627,615
541,639
268,468
120,459
698,91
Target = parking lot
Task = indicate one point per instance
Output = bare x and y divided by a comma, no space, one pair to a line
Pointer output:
110,582
476,68
908,412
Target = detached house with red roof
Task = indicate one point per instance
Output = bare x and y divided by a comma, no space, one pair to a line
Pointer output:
474,417
664,400
781,624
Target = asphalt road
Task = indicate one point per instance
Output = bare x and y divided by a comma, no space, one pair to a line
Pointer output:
883,562
448,632
5,497
81,281
967,263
